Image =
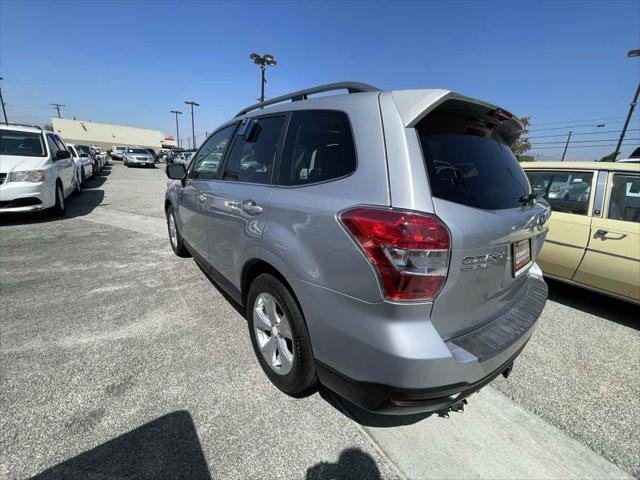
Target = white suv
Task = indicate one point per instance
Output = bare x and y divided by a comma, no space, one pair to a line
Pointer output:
36,170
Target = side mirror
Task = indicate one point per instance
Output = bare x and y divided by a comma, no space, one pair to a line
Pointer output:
62,155
176,171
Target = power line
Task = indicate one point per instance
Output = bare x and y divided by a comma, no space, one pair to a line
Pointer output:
58,106
586,141
579,121
569,126
581,146
585,133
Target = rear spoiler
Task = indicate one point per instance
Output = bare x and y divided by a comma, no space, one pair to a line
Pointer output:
414,105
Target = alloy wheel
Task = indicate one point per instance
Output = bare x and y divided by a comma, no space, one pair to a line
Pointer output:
273,333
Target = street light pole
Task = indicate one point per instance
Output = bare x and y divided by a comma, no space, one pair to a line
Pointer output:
177,128
4,112
193,128
263,61
630,53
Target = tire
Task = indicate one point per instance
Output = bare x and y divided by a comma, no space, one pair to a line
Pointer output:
299,378
78,190
83,176
59,208
175,239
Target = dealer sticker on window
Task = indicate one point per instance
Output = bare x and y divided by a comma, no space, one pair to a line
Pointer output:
521,256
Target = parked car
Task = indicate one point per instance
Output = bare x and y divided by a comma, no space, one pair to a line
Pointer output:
594,237
138,156
36,170
117,152
381,243
98,162
84,163
100,154
634,157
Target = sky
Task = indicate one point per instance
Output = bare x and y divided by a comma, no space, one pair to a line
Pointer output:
133,62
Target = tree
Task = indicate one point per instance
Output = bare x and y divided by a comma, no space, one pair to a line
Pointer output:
522,145
608,158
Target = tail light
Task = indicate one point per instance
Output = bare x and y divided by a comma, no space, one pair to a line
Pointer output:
410,250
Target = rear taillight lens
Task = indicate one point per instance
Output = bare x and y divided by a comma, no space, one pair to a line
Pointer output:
410,250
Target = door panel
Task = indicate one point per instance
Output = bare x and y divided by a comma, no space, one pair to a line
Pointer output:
612,259
192,221
236,214
565,245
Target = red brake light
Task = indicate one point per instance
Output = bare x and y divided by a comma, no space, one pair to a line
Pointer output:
410,250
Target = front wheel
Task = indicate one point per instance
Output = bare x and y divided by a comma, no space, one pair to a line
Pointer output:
177,244
279,337
59,207
78,189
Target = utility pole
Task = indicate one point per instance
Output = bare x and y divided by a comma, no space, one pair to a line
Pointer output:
177,129
4,112
57,106
566,146
630,53
193,128
262,61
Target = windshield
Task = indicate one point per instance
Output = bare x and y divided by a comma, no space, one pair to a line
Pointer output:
137,150
469,163
23,144
84,149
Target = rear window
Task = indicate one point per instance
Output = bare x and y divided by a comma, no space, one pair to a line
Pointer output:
566,191
319,147
468,162
138,150
22,144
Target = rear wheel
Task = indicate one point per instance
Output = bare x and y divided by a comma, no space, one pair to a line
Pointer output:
83,176
177,244
59,207
279,336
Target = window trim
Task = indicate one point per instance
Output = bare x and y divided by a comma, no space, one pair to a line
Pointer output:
276,161
320,182
607,202
224,154
553,171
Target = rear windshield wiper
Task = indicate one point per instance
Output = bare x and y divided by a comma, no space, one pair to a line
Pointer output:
525,199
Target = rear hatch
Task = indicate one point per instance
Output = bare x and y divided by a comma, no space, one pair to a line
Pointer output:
481,193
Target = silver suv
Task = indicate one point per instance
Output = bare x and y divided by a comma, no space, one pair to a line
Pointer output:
382,244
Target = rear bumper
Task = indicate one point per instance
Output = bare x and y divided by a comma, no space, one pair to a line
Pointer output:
390,358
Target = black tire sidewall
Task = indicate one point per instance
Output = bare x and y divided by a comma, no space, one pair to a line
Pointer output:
59,207
179,249
301,380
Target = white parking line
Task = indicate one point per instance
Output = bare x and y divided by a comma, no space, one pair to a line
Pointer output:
129,221
494,439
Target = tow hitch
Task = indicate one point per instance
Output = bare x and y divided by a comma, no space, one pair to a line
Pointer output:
456,407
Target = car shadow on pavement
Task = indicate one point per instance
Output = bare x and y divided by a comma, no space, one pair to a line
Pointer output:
166,448
623,313
353,464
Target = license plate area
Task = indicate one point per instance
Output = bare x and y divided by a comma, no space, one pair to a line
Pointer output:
521,255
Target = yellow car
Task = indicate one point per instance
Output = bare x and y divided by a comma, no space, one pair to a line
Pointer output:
594,233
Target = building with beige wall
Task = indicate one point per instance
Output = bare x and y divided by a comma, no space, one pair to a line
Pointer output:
106,135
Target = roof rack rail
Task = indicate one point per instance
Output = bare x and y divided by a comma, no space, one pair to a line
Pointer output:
352,87
21,125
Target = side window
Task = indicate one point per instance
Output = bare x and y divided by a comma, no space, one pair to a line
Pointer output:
72,151
53,146
565,191
624,203
206,161
319,147
251,160
60,143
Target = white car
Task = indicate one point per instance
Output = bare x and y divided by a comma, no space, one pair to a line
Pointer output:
84,163
117,152
97,161
36,170
138,156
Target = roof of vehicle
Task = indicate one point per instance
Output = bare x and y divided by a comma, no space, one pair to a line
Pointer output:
412,105
625,167
22,128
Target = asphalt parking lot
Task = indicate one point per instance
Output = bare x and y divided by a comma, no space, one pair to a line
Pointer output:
120,360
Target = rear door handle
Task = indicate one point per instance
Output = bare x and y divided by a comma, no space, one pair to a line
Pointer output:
604,235
251,207
202,197
233,204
